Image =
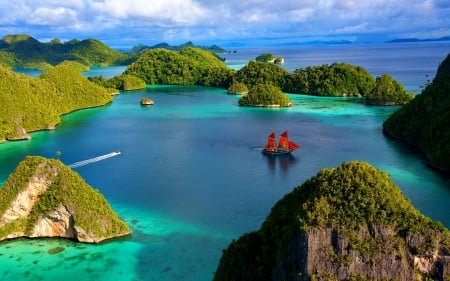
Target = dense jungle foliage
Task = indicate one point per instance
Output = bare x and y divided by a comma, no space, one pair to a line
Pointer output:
265,95
237,88
37,103
353,196
387,91
189,66
425,122
23,51
90,209
123,82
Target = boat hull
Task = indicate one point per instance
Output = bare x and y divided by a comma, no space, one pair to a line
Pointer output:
277,152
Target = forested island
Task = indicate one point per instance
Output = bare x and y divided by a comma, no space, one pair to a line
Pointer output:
44,198
31,104
346,223
425,122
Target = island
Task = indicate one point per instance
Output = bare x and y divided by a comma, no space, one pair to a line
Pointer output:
424,123
147,102
45,198
267,57
32,104
346,223
265,95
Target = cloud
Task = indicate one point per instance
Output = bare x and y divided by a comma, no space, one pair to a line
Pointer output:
212,20
170,13
53,16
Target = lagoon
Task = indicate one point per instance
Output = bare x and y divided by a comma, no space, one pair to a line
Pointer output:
190,176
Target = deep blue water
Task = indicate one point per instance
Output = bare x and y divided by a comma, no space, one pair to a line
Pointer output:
191,176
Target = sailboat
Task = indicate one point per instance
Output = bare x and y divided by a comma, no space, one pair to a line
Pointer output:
285,146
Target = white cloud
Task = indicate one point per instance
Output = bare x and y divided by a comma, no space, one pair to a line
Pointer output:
53,16
217,19
165,12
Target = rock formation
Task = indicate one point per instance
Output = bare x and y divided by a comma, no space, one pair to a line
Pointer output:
348,223
147,101
45,198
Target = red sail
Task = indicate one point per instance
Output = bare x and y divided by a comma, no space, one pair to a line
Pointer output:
271,143
283,142
293,145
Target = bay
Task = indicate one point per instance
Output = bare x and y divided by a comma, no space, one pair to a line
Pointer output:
190,176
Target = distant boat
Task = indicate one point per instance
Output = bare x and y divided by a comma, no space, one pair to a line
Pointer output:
285,146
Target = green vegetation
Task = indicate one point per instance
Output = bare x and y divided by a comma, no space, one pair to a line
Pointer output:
265,95
31,104
353,197
141,47
337,79
89,208
189,66
23,51
264,73
387,91
425,122
123,82
265,57
237,88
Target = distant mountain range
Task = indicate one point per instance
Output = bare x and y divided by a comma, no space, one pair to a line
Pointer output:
141,47
403,40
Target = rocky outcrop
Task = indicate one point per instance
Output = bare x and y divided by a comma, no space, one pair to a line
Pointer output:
53,201
147,102
348,223
330,252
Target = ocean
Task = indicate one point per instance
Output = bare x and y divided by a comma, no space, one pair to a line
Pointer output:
191,178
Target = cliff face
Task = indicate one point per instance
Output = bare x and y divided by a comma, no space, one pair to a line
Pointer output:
349,223
330,253
44,198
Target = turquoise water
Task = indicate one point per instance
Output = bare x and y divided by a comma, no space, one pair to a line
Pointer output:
190,176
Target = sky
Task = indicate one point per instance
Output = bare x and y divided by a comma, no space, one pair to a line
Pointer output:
122,23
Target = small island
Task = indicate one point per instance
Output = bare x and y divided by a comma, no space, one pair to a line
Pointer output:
267,57
147,102
45,198
265,95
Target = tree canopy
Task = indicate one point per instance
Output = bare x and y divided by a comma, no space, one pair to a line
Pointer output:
23,51
189,66
265,95
32,104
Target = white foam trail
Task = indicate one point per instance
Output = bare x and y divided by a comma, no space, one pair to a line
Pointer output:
95,159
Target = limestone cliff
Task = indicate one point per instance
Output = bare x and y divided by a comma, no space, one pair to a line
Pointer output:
45,198
348,223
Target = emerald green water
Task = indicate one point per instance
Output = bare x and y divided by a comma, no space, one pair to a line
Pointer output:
190,177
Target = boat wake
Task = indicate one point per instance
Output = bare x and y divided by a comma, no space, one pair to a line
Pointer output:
93,160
